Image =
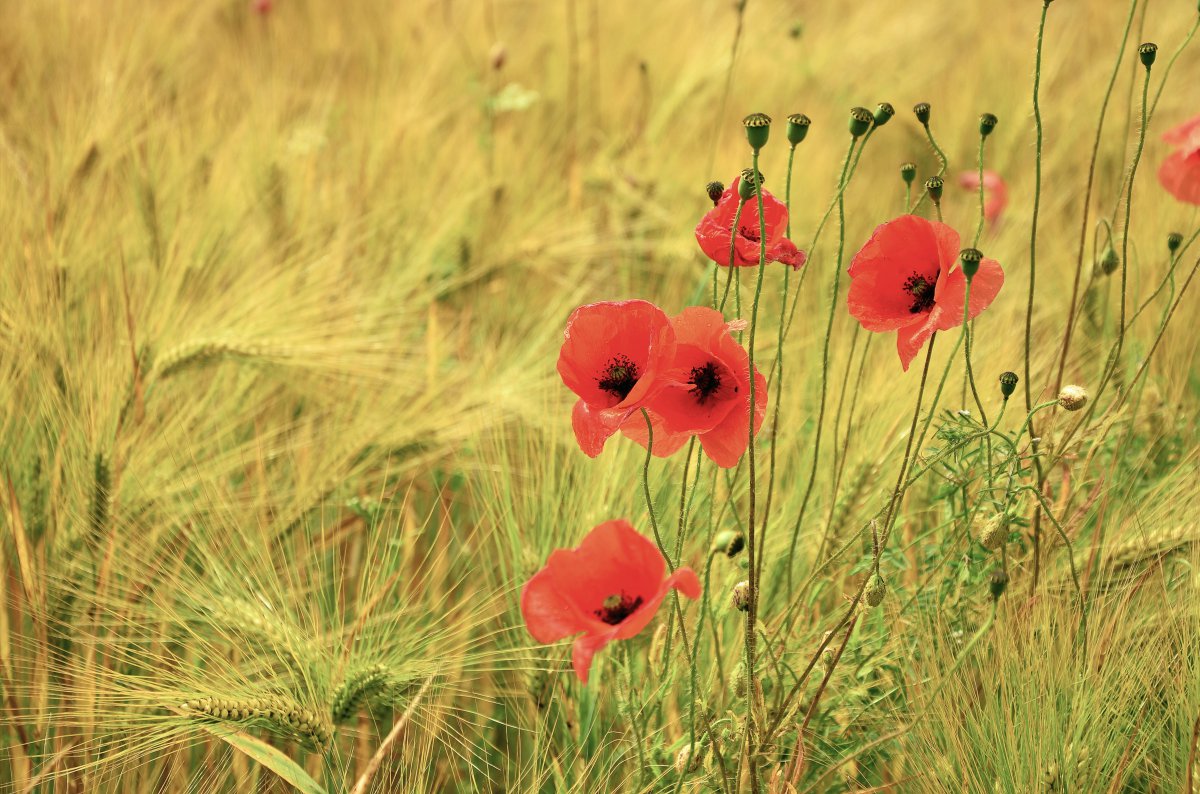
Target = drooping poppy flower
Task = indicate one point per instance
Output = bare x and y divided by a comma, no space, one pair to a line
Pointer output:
607,588
611,359
906,279
1180,172
705,392
713,231
995,192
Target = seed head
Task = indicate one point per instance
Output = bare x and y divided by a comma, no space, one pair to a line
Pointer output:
934,186
970,258
860,121
998,583
1072,397
908,172
987,123
883,113
921,109
729,542
758,129
749,182
1148,52
1008,383
1174,240
714,190
741,596
687,761
797,128
995,532
1110,260
875,591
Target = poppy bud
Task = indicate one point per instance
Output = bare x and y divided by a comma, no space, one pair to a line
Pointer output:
921,109
1174,240
1110,260
860,121
797,128
875,591
995,532
498,55
686,761
1147,52
729,542
934,187
1008,383
741,596
1072,398
998,583
749,181
883,113
970,257
987,123
908,172
714,190
758,129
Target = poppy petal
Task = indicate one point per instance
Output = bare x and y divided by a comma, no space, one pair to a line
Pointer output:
549,614
584,649
684,579
785,251
1186,135
666,443
726,443
1180,175
984,287
903,248
593,426
909,340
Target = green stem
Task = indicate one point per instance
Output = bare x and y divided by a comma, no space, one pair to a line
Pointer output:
979,228
646,488
737,217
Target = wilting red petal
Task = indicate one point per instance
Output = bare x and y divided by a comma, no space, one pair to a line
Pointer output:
1180,175
594,426
785,251
713,231
1186,136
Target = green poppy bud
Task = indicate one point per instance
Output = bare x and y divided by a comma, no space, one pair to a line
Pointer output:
908,172
970,258
1008,383
749,183
714,190
797,128
921,109
1148,52
883,113
741,596
758,129
1174,240
987,123
933,185
860,121
998,583
875,590
1110,260
729,542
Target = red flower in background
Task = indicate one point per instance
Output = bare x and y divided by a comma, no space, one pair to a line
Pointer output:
713,231
1180,172
995,192
262,6
904,279
607,588
705,392
611,359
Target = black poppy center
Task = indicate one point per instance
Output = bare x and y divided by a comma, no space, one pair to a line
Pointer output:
705,380
749,232
922,291
619,377
618,607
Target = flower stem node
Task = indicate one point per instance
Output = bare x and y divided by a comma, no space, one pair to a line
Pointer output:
1072,397
908,172
729,542
1174,240
797,128
934,185
921,110
883,113
1008,383
741,596
1148,52
987,123
1110,260
875,591
749,183
970,258
758,129
714,190
860,121
998,584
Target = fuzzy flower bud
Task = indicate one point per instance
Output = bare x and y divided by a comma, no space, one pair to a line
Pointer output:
758,129
797,128
860,121
987,123
934,186
995,532
729,542
970,258
714,190
1008,383
921,109
1110,260
741,596
883,113
1072,398
1148,52
875,591
908,172
1174,240
998,583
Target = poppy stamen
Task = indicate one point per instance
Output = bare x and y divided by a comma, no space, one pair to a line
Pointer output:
922,291
618,607
619,377
706,380
749,232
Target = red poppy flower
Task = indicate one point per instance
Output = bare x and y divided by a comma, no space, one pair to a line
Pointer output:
705,392
1180,172
995,192
713,231
905,279
607,588
611,359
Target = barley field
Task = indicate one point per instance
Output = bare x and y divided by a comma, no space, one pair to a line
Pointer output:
373,421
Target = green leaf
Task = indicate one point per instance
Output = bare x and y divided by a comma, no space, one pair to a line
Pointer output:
269,757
